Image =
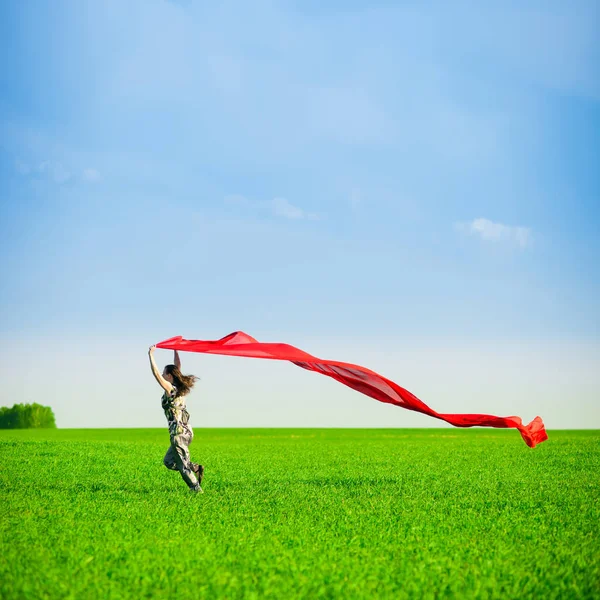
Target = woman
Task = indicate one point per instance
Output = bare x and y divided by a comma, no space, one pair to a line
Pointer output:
176,386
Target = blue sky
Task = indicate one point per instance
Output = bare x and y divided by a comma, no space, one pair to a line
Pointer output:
407,184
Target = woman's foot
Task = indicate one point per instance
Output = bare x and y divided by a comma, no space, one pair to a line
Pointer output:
199,471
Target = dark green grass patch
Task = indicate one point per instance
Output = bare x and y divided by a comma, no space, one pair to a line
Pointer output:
443,513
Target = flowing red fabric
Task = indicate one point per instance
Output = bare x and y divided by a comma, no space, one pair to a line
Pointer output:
358,378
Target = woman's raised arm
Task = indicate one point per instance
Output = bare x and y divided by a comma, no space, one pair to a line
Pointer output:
164,384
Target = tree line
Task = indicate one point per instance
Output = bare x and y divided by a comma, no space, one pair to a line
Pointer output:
27,416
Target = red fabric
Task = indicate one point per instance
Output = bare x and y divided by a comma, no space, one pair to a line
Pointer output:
358,378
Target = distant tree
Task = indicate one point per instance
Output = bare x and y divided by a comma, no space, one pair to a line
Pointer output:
27,416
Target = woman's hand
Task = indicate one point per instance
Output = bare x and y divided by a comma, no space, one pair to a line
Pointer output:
151,350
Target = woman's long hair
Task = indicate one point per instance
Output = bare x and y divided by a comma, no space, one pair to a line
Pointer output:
183,383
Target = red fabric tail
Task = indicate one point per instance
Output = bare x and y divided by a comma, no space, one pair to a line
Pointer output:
356,377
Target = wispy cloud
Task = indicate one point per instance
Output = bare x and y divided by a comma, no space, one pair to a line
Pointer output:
91,175
284,208
497,232
280,207
56,171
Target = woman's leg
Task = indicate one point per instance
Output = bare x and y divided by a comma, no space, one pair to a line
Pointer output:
198,469
179,444
170,459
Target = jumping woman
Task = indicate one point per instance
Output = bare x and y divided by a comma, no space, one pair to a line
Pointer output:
176,387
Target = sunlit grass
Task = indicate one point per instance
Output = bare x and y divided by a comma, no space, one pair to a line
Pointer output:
300,513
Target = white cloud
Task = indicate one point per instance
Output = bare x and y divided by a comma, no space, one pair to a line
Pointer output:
91,175
55,171
284,208
497,232
280,207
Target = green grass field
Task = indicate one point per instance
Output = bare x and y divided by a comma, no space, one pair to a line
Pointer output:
444,513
